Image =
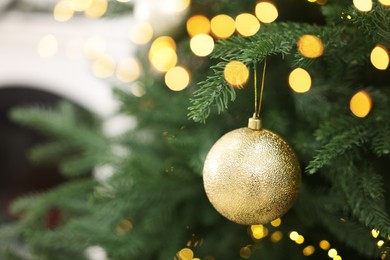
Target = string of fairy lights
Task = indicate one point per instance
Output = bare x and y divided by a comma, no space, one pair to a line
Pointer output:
203,33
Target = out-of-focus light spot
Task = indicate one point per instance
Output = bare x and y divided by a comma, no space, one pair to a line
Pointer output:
236,73
375,233
164,59
175,6
103,66
308,251
259,231
380,243
96,9
245,252
247,24
324,245
300,240
310,46
222,26
198,24
81,5
123,1
123,227
276,222
159,43
337,257
385,2
63,11
141,33
47,46
266,12
332,253
138,90
361,104
380,57
294,235
300,80
202,45
363,5
128,70
185,254
94,47
177,78
95,253
312,1
276,236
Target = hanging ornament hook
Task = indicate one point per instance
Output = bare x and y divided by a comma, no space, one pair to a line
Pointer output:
255,122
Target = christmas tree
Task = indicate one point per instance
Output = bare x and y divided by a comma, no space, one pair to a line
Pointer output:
326,92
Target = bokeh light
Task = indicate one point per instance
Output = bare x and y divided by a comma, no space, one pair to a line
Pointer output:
124,226
363,5
380,57
128,70
164,59
332,253
174,6
177,78
380,243
63,11
276,236
337,257
361,104
245,252
266,12
308,251
259,231
276,222
294,235
300,240
96,9
94,47
161,42
47,46
202,45
103,66
222,26
324,245
300,80
81,5
236,73
185,254
198,24
141,33
385,2
247,24
375,233
310,46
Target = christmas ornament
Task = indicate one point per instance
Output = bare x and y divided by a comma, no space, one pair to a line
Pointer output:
251,175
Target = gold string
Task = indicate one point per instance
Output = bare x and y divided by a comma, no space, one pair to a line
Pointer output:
255,87
258,104
262,88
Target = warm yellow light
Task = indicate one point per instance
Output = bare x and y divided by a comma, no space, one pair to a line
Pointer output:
124,226
198,24
266,12
245,252
103,66
385,2
141,33
161,42
96,9
361,104
312,1
128,70
47,46
300,240
202,45
276,236
257,231
175,6
247,24
324,245
380,243
138,90
186,254
164,59
363,5
63,11
276,222
308,251
375,233
222,26
177,78
294,235
380,57
310,46
337,257
81,5
300,80
236,73
94,47
332,253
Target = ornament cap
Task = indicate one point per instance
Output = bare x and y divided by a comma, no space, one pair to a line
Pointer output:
254,123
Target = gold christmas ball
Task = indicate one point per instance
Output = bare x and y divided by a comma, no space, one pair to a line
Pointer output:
251,175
